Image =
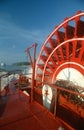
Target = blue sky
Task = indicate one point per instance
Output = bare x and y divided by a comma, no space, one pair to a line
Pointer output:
24,22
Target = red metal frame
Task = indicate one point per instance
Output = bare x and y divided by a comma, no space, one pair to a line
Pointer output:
65,51
32,62
64,45
64,48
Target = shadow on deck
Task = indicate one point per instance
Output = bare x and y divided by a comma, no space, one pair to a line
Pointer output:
16,112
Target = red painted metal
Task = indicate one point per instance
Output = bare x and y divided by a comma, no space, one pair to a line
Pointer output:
16,112
33,62
64,48
64,45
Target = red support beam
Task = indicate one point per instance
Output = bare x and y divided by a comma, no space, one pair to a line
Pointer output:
33,63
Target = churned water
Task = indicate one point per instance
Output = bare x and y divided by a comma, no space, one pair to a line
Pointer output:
14,70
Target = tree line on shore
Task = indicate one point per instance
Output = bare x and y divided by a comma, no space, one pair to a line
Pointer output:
21,63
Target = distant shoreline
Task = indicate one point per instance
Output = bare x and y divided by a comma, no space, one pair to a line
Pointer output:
21,64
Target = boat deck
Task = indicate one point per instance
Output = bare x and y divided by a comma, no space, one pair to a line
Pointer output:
17,113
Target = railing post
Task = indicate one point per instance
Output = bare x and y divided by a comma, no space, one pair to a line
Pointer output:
0,87
33,74
55,105
33,63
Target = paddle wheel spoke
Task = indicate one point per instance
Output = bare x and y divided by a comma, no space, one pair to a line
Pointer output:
63,51
81,52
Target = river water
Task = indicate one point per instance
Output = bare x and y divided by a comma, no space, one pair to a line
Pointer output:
25,70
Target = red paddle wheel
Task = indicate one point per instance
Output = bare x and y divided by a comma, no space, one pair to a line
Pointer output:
62,54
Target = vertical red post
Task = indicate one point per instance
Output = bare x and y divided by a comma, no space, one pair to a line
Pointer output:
33,63
0,87
55,105
33,74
